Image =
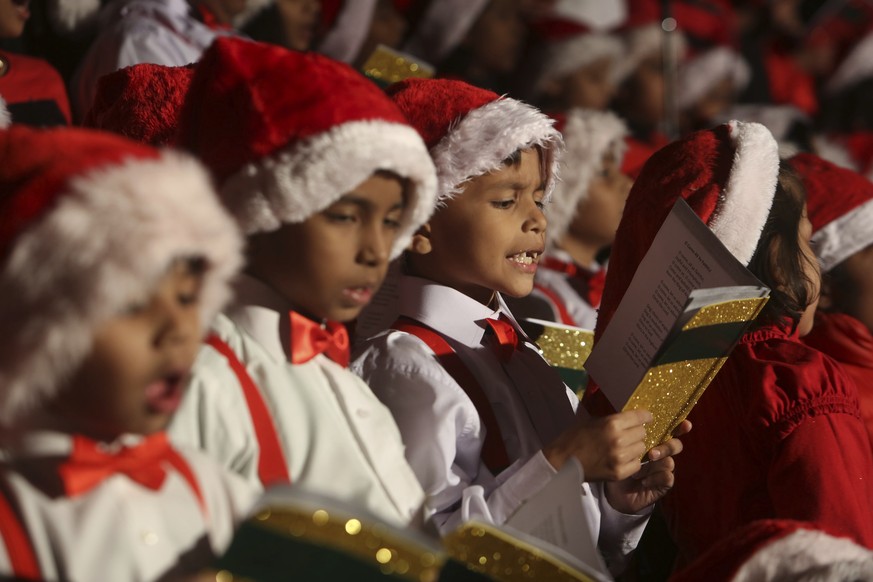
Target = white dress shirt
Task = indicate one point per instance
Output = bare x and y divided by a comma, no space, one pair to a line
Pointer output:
339,440
442,429
120,530
583,313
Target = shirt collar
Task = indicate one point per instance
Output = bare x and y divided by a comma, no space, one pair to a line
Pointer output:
262,313
448,311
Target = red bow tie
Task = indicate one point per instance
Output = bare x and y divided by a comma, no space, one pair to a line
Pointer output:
308,339
89,463
590,283
504,339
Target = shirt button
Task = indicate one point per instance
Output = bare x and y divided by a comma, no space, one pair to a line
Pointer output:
150,538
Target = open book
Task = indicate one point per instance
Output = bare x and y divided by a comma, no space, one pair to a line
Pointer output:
688,304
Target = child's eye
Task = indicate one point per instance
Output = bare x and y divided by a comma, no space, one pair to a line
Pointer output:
503,204
392,223
188,298
541,204
340,217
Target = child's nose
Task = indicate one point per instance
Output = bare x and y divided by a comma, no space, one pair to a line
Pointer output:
375,245
180,325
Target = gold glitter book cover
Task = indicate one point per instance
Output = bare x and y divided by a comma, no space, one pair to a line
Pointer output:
688,304
386,66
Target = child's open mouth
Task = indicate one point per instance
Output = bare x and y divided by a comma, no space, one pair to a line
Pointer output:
165,395
359,295
525,260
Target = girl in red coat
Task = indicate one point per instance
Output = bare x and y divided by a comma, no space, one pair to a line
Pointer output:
778,433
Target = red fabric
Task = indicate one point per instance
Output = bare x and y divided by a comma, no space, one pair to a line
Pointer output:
777,435
494,453
22,556
790,84
89,464
38,165
209,19
142,102
505,339
823,181
240,107
308,339
860,146
591,282
433,106
638,153
31,79
272,467
849,342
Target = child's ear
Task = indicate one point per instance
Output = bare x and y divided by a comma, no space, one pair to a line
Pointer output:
420,243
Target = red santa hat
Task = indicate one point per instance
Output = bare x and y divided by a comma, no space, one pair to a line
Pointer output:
471,131
348,24
727,175
643,33
89,223
572,45
70,16
287,133
772,550
141,102
443,27
840,206
855,67
588,136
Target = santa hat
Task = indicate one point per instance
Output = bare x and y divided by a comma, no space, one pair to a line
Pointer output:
779,549
443,27
856,67
5,117
89,223
141,102
727,175
840,206
287,133
702,71
471,131
72,16
563,56
347,23
588,136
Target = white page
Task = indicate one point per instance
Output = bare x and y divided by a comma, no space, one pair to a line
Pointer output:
685,255
556,515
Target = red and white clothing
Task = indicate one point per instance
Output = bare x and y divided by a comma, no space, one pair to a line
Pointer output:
337,439
777,434
33,90
849,342
115,526
571,291
163,32
444,433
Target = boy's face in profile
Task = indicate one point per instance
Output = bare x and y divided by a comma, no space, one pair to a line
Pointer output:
330,265
491,236
133,380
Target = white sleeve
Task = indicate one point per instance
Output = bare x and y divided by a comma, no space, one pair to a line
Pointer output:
214,417
443,436
620,533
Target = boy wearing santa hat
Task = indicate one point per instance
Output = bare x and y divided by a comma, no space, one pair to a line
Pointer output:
107,274
485,421
328,181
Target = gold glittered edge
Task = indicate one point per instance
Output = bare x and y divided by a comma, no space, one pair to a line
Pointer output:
735,311
373,543
566,348
501,556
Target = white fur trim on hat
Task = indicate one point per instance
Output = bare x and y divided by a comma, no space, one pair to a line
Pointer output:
293,184
808,555
833,152
443,27
486,136
69,16
5,116
588,136
702,72
743,209
566,56
350,30
595,14
840,239
857,66
79,265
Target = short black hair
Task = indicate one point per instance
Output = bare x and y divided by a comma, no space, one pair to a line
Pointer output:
779,262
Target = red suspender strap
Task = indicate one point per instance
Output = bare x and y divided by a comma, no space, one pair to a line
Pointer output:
493,449
272,467
556,302
22,557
